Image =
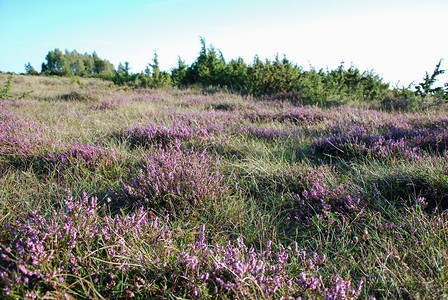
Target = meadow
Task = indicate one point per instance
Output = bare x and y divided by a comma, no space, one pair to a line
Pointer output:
112,192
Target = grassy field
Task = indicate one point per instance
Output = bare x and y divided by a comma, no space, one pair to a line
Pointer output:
115,193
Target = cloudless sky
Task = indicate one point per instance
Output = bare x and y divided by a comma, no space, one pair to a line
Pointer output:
398,39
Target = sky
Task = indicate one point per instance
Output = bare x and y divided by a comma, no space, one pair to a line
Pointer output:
399,40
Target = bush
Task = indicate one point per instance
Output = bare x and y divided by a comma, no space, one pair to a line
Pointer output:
173,181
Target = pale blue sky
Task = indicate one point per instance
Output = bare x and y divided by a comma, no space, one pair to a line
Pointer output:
398,39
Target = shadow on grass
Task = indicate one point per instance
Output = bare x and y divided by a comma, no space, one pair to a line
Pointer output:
408,187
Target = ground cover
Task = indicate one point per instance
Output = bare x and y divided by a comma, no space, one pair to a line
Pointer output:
108,192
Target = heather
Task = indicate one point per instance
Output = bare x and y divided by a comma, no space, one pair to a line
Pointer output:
179,181
110,192
93,251
159,134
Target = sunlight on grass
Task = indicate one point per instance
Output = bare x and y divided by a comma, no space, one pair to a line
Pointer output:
108,193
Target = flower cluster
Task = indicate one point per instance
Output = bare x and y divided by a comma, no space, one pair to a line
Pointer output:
359,144
360,133
434,141
239,271
87,156
206,118
174,180
20,139
311,192
44,255
295,115
106,104
159,134
264,133
318,197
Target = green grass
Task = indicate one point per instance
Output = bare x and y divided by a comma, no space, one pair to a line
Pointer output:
397,246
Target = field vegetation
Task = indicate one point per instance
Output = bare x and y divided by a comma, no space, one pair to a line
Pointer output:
334,187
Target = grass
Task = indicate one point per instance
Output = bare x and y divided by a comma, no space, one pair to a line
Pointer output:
109,193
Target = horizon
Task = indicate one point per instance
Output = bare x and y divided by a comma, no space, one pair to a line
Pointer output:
398,41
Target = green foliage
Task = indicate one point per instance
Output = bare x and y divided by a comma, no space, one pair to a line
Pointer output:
340,86
4,91
274,77
279,77
208,69
401,100
236,75
354,84
74,63
179,74
426,88
153,77
122,74
158,79
29,69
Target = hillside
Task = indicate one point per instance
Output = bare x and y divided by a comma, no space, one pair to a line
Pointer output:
112,192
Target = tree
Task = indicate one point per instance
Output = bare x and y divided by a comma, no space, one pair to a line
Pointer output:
179,74
124,69
236,75
209,67
155,68
55,62
44,69
30,70
122,74
78,67
102,66
426,87
158,79
89,64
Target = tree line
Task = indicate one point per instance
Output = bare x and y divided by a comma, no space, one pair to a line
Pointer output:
279,77
73,63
